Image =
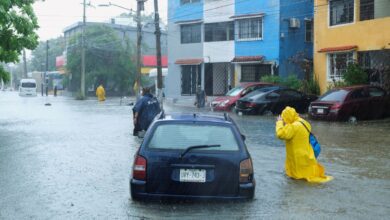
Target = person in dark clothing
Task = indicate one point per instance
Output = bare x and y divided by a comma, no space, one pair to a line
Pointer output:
144,111
200,100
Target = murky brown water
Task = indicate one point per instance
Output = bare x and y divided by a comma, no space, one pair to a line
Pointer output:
73,160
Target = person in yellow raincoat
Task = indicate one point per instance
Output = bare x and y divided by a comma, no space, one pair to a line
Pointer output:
300,160
101,93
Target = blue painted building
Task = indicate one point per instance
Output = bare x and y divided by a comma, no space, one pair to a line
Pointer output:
217,44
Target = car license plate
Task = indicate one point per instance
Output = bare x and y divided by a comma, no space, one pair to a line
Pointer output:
193,175
320,111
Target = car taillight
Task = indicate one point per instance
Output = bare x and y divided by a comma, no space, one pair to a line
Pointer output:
139,168
335,107
246,171
250,104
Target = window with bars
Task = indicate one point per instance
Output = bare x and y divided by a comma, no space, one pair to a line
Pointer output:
371,9
309,31
190,33
338,63
250,29
341,12
219,31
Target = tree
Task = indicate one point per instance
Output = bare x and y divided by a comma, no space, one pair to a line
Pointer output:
108,60
38,60
18,24
355,75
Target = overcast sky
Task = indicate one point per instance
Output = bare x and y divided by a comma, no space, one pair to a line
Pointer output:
55,15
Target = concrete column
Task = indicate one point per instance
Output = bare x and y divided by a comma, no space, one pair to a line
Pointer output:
202,76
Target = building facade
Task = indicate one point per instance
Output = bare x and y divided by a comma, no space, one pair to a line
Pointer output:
219,43
349,31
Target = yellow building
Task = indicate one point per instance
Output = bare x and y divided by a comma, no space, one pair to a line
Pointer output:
348,31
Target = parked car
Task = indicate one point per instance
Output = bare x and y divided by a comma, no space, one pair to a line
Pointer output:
272,100
351,103
192,156
228,102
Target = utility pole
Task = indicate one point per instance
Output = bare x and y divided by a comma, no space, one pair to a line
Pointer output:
158,53
24,64
82,86
140,7
47,68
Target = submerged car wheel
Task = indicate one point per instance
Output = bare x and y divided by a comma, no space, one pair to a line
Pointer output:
352,119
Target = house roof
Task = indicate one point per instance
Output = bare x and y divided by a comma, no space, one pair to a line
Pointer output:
337,49
248,59
189,61
151,61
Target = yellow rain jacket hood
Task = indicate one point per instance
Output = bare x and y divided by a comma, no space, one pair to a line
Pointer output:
100,93
300,160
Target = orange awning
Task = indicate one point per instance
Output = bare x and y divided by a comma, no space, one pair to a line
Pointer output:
189,61
338,49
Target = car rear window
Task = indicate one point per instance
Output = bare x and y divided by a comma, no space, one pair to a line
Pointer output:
337,95
28,85
182,136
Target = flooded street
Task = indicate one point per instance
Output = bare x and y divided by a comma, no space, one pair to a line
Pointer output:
73,159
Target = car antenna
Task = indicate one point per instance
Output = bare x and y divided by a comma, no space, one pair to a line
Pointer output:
162,115
194,115
225,115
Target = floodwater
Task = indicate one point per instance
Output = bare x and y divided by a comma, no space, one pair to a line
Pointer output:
72,160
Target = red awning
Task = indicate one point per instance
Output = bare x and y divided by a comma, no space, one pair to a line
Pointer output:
189,61
248,59
337,49
151,61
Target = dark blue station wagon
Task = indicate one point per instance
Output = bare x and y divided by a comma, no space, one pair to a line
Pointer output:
192,156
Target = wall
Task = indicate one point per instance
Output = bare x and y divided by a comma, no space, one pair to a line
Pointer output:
269,45
176,50
218,10
292,40
367,35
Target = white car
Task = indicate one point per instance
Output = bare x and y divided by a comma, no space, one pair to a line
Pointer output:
28,87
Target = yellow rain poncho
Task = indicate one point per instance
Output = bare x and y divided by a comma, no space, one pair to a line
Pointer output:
300,160
100,93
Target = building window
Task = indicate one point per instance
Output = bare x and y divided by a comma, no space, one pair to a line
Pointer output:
184,2
309,31
371,9
190,33
254,72
341,12
219,32
250,29
338,63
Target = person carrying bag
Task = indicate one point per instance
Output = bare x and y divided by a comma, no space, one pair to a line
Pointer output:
300,161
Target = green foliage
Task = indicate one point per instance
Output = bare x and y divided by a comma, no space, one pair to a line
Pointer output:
336,84
56,48
290,81
4,75
107,58
271,79
355,75
17,30
311,86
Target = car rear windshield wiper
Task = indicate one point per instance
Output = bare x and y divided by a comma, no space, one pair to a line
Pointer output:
197,147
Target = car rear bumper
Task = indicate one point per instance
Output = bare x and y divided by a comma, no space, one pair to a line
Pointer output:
138,192
327,117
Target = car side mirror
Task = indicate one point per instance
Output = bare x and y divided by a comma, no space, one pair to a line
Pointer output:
243,137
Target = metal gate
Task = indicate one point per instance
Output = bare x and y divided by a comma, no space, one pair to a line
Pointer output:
190,78
218,78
